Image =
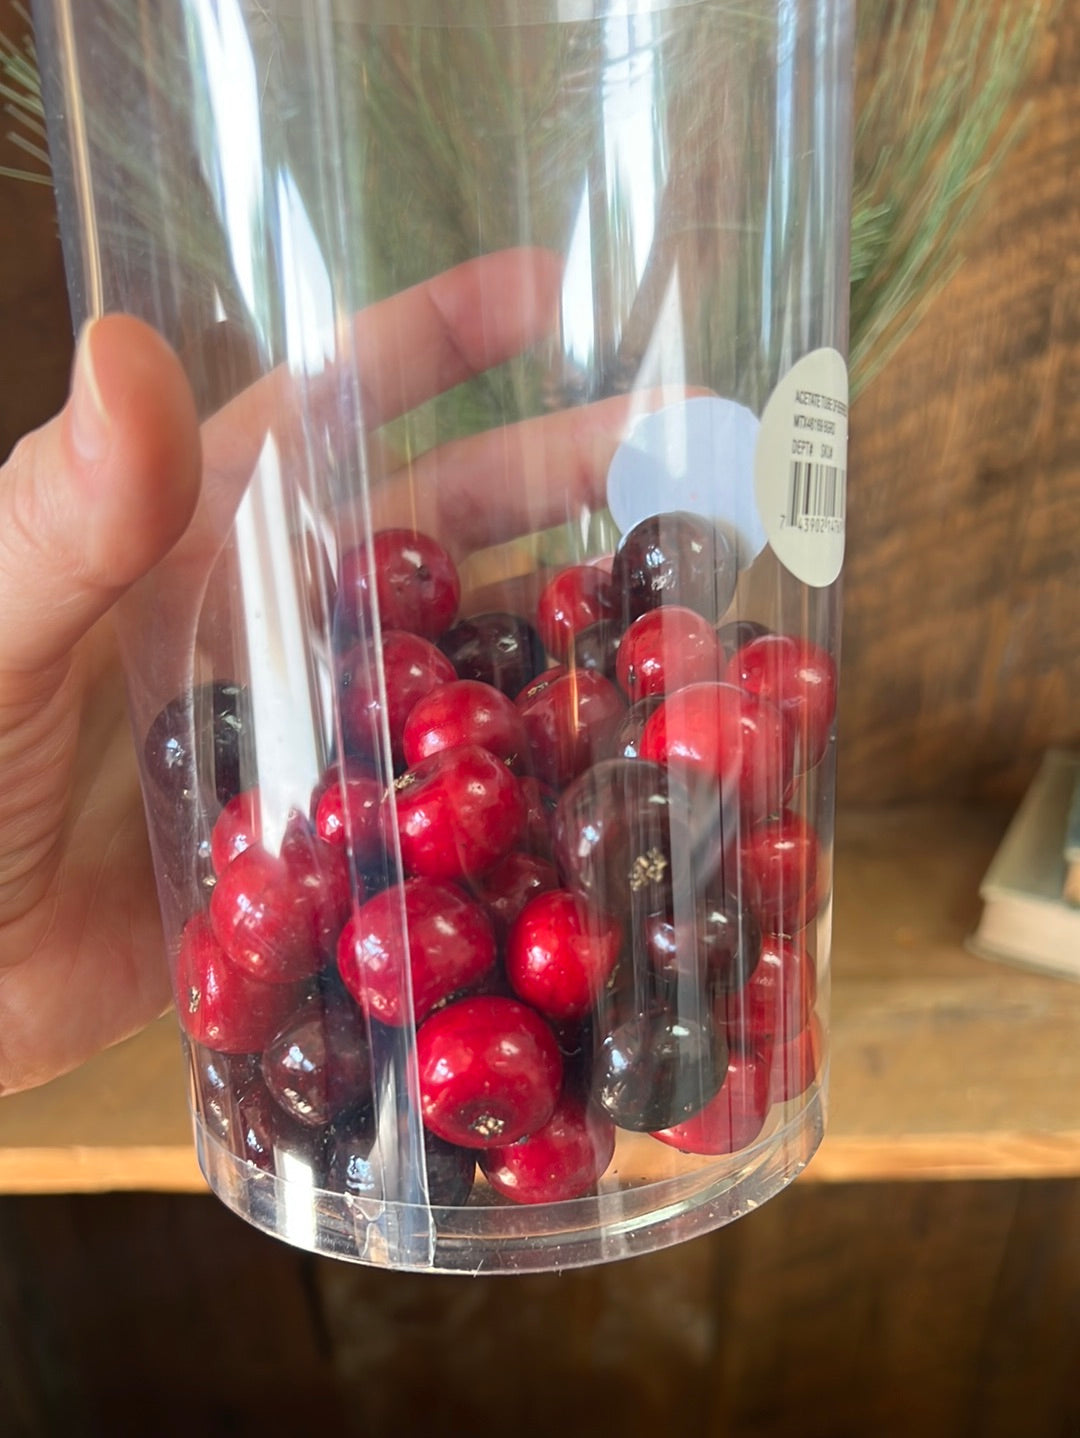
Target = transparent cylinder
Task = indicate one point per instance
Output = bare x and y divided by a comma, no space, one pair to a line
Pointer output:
485,712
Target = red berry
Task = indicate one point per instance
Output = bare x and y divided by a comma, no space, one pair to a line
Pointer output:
490,1072
667,649
412,666
317,1067
239,825
540,802
457,813
508,887
800,679
538,684
415,580
716,733
793,1066
572,601
570,723
350,814
277,916
218,1004
780,861
560,954
734,1118
465,712
565,1159
448,942
776,1001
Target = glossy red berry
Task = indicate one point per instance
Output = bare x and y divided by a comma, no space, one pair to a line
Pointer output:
218,1004
570,723
465,712
776,1001
734,1118
560,954
448,943
667,649
793,1066
412,666
317,1066
575,599
780,863
415,580
236,828
564,1159
351,814
490,1072
507,888
800,679
715,733
458,813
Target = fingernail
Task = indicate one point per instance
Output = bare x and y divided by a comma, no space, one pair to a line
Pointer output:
91,430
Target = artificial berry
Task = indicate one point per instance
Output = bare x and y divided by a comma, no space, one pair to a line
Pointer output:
218,1004
564,1159
780,861
499,649
666,649
318,1065
734,1118
507,888
570,723
351,814
597,647
626,743
715,946
800,679
560,954
171,744
356,1168
412,667
676,558
490,1072
794,1065
416,584
657,1068
620,832
776,1001
465,712
278,916
717,734
448,944
575,599
458,813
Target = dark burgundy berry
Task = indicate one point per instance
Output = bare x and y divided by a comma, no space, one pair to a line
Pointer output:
263,1134
780,862
216,715
448,942
412,667
465,712
737,632
776,1002
216,1080
734,1118
507,888
570,723
560,954
490,1072
458,813
667,649
575,599
800,679
621,835
278,916
714,945
657,1069
627,741
502,650
351,814
676,558
414,578
356,1167
597,647
318,1065
794,1065
563,1160
218,1004
540,802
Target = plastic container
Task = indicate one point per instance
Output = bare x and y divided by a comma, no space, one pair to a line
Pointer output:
531,310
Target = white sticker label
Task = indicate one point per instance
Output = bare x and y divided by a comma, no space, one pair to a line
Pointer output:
800,467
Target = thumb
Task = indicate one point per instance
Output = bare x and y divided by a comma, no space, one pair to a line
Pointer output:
93,499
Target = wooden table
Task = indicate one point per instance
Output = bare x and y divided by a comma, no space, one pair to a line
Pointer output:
943,1065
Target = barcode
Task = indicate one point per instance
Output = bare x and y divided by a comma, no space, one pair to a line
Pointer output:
817,493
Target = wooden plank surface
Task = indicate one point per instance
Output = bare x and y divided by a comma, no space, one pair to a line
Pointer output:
943,1065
